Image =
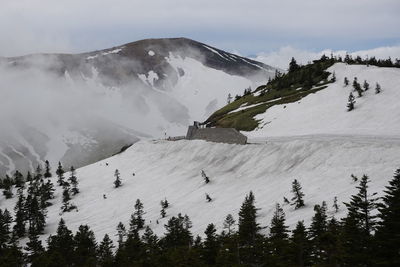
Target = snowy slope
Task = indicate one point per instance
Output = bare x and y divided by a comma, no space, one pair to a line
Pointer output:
325,112
322,164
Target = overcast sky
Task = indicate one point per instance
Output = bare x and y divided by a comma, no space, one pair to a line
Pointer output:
249,27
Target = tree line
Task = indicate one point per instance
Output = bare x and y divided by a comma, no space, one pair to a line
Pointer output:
362,238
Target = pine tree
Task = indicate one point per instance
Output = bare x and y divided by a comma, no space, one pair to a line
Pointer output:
350,102
137,220
62,244
19,180
346,81
298,195
300,246
177,233
35,214
34,246
248,226
73,181
210,249
121,233
248,232
47,172
117,182
105,252
317,230
278,236
7,187
229,224
335,204
357,87
388,230
60,174
358,225
366,85
20,215
150,241
85,247
5,232
293,66
362,204
377,88
333,79
67,206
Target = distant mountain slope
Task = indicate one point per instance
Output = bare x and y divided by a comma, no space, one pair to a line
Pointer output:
83,107
172,170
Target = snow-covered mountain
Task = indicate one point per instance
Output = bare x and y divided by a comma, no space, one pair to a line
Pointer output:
365,141
79,108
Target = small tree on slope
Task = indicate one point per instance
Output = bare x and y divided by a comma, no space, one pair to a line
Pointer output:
298,195
350,102
117,182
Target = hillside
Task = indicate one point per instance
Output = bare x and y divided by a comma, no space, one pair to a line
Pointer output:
323,166
80,108
320,109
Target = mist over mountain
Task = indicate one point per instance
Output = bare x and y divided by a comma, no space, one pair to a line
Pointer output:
80,108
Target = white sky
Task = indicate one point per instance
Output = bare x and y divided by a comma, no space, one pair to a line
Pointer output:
247,26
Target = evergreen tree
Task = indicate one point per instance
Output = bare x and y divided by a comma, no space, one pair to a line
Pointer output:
350,102
105,252
20,215
34,246
300,246
333,79
317,231
331,244
47,172
248,226
210,248
366,85
60,174
150,241
137,220
346,81
66,206
248,232
293,66
357,87
361,205
85,247
73,180
229,224
7,187
61,245
35,214
298,194
278,237
19,179
359,224
46,193
117,182
5,232
177,233
377,88
121,233
335,204
388,231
